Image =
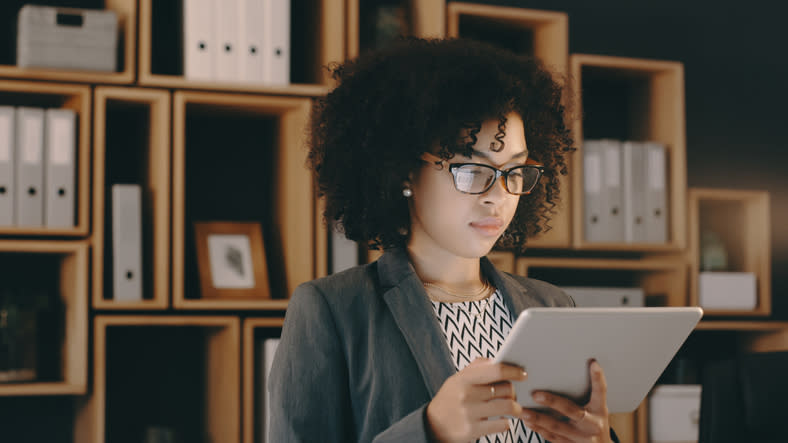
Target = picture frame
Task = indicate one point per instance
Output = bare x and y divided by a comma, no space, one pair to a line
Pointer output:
231,260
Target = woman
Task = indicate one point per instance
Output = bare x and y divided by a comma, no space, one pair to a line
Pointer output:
436,151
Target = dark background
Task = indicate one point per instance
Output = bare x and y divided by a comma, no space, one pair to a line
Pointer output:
736,82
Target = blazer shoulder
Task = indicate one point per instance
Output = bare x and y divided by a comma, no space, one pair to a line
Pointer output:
550,294
357,280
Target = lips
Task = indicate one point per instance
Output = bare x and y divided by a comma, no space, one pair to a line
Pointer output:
488,225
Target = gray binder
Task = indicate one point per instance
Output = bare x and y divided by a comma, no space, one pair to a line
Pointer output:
633,158
344,252
596,297
594,216
656,193
29,166
126,243
60,168
7,142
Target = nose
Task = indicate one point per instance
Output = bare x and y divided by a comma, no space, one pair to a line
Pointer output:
497,193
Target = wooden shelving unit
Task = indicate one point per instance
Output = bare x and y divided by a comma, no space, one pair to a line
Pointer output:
66,96
131,144
632,99
142,364
127,51
65,263
741,219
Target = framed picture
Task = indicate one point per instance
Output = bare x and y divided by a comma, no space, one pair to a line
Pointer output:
231,259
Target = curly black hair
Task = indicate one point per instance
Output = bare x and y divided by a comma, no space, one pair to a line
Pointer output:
416,95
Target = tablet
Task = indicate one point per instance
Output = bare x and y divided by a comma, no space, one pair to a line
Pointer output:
633,345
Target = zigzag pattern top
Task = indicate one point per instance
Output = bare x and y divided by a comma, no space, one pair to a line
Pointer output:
476,329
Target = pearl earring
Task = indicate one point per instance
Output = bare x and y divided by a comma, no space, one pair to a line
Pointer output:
407,192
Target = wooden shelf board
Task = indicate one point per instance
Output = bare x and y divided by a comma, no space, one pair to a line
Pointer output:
177,82
152,304
41,389
232,304
755,326
44,232
57,75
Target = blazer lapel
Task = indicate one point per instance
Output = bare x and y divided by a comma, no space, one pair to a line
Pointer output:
515,295
414,315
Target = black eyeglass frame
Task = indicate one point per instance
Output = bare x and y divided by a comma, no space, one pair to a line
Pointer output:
530,164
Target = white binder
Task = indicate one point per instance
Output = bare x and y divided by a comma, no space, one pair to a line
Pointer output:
633,159
199,44
126,243
268,350
7,142
344,252
656,193
228,20
252,41
60,167
276,60
613,191
29,167
594,216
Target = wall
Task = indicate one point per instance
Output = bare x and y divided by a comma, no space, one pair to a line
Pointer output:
736,88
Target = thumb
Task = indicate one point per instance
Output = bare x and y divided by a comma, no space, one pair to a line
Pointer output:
598,401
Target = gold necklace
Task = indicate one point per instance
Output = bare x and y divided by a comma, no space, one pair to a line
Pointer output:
485,287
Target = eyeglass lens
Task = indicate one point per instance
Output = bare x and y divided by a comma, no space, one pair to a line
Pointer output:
476,179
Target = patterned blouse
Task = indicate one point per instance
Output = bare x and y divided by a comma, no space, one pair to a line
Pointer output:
477,329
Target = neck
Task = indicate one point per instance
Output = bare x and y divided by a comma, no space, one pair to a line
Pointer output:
456,274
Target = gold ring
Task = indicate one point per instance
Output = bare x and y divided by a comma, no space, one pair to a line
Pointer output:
585,412
492,390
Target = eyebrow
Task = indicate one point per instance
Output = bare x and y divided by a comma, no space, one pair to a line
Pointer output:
486,156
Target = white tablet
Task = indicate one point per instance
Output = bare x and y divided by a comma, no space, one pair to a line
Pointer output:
633,345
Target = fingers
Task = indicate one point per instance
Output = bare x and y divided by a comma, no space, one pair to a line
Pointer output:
598,401
551,428
484,372
563,406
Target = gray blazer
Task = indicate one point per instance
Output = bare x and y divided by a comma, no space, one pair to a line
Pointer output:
362,353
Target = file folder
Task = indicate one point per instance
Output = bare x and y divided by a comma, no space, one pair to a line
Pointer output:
29,167
656,193
227,16
594,216
7,142
276,62
199,44
633,158
60,167
252,41
126,243
613,192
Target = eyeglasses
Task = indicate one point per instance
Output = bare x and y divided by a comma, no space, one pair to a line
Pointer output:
478,178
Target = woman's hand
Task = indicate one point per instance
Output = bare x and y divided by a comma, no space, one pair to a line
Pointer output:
461,408
569,422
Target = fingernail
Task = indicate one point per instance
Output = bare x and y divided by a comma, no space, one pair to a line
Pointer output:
525,374
540,397
526,416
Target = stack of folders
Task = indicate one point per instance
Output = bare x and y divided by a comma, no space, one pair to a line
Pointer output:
625,192
37,167
243,41
267,351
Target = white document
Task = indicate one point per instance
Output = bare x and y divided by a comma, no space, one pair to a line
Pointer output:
60,168
633,158
7,168
227,18
126,243
29,167
656,193
199,40
594,217
344,252
268,352
252,40
276,60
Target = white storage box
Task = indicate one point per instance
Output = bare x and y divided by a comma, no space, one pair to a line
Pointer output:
674,413
727,290
67,38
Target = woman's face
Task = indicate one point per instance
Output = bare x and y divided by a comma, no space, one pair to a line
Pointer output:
445,221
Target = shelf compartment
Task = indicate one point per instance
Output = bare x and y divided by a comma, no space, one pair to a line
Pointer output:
60,267
127,38
132,145
541,34
254,331
242,158
163,371
424,18
161,64
632,99
741,219
56,95
663,280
